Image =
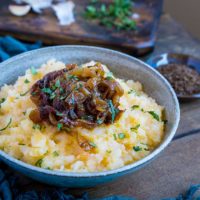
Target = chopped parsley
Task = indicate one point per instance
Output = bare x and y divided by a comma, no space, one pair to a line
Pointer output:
121,136
133,92
33,93
71,76
154,115
112,110
22,144
37,126
165,121
108,151
137,148
135,107
57,84
55,154
47,90
92,144
59,126
23,94
115,136
1,101
99,121
63,97
26,81
135,128
59,114
49,168
52,95
109,76
117,14
10,121
24,112
33,71
39,163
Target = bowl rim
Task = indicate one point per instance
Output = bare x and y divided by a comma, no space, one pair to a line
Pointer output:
128,167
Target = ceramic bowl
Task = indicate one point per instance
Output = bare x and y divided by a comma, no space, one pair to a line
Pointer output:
123,66
176,58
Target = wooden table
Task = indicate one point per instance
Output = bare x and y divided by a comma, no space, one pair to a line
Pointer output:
179,165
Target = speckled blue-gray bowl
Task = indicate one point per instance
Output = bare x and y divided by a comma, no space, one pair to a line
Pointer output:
123,66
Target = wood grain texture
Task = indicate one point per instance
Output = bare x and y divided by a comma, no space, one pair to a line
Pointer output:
46,28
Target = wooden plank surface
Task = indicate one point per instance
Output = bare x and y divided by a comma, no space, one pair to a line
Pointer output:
46,28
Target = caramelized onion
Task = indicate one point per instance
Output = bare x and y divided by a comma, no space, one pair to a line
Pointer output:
76,97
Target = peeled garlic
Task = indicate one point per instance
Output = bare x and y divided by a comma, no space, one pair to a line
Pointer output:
64,12
19,10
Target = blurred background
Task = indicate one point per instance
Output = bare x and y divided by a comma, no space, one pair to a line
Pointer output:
186,12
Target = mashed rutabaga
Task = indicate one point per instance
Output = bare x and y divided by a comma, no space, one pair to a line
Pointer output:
133,136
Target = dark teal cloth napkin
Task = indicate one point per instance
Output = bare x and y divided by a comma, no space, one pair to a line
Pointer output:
16,187
10,47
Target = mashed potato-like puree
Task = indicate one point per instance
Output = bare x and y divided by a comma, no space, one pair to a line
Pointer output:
138,131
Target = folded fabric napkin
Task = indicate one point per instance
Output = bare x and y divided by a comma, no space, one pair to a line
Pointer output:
17,187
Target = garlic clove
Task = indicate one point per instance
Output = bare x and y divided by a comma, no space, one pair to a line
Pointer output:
19,10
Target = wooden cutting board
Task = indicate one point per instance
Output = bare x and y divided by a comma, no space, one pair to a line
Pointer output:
45,27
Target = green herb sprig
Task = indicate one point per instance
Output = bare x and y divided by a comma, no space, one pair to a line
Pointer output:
10,121
115,15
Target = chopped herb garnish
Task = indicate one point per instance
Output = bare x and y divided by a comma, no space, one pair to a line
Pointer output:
99,121
146,149
121,135
109,75
154,115
1,101
24,112
108,151
39,163
21,144
72,77
33,71
49,168
61,90
137,148
23,94
72,100
93,144
52,95
112,110
117,14
47,90
57,84
26,81
115,136
135,107
37,126
59,114
63,97
133,92
135,128
165,121
33,93
10,121
87,117
59,126
55,154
